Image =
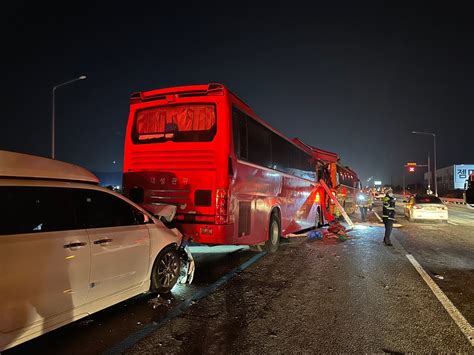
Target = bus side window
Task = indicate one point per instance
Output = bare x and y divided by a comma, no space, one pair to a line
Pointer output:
239,126
236,131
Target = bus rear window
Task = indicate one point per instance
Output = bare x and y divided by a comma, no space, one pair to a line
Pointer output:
178,123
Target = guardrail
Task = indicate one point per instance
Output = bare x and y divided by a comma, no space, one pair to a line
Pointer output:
457,201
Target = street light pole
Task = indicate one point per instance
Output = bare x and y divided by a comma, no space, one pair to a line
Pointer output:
435,178
434,147
404,182
53,119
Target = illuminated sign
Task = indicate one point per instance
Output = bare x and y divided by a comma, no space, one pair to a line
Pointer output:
377,183
461,174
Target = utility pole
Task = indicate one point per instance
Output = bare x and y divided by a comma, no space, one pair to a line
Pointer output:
429,173
435,178
403,181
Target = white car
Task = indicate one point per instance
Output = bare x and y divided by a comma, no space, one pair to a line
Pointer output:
426,207
69,248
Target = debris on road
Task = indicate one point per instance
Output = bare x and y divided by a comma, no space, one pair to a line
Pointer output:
439,277
315,235
337,230
159,301
334,231
85,322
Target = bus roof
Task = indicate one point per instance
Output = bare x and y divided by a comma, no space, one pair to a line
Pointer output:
181,91
19,165
185,91
319,154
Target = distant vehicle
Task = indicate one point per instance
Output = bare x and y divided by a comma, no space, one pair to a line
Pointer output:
468,193
233,177
69,248
426,207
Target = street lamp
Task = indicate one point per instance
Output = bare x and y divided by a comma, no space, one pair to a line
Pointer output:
434,148
82,77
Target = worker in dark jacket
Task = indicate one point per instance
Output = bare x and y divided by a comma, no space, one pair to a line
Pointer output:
388,215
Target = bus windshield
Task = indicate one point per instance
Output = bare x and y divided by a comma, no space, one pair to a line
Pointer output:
178,123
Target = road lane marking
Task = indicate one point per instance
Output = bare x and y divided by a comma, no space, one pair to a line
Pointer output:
149,328
458,318
454,224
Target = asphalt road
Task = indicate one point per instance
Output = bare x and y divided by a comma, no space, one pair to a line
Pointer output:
323,296
446,251
101,331
461,215
320,296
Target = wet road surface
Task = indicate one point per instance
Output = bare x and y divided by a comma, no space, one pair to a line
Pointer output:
320,296
446,252
101,331
323,296
460,215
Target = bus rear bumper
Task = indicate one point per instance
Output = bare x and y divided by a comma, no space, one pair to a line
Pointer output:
208,233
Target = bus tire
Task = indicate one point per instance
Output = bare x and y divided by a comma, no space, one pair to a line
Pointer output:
166,270
320,218
274,233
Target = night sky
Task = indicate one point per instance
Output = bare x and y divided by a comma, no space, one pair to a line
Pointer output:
353,79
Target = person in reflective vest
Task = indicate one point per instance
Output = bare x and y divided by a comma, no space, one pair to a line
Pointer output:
388,215
364,201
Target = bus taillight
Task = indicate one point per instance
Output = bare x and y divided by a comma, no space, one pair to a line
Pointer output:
222,197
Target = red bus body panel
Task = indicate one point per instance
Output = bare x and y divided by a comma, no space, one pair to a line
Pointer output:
181,173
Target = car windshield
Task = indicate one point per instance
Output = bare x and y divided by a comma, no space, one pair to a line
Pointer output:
427,199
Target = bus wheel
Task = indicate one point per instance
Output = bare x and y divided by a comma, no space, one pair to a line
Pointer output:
320,218
274,232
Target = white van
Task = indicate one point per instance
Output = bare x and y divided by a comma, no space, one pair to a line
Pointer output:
69,248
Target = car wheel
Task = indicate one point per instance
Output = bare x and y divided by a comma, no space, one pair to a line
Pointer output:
274,232
166,270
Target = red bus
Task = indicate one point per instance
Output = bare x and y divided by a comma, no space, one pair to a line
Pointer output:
326,169
348,184
233,178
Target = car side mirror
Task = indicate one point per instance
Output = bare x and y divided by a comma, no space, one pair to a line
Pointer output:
141,218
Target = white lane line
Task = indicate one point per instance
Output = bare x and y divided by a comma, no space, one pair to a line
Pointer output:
454,224
378,217
458,318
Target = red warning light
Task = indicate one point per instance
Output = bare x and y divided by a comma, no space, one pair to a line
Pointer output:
411,167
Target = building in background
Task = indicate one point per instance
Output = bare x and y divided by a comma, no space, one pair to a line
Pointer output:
452,177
